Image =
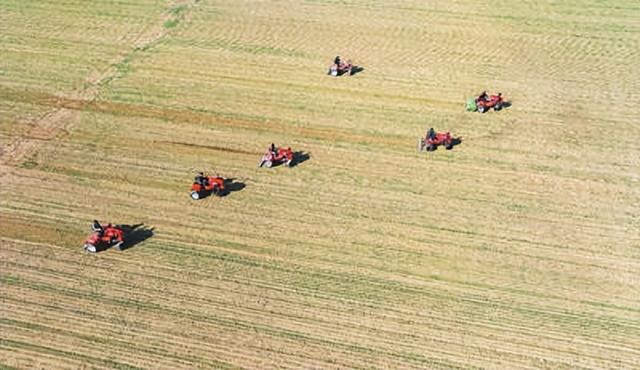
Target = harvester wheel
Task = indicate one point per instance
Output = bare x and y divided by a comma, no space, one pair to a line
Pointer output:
431,147
216,189
498,106
268,164
481,109
90,248
195,195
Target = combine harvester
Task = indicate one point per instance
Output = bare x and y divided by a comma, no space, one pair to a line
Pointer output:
276,156
339,68
433,139
104,237
485,102
203,186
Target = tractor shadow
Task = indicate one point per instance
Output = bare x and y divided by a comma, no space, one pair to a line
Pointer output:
454,142
505,105
356,69
299,157
135,234
231,186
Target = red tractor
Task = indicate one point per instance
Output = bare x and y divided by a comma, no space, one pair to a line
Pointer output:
433,139
205,185
277,156
104,237
341,68
485,102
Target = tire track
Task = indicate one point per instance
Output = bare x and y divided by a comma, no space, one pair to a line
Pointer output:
449,344
69,107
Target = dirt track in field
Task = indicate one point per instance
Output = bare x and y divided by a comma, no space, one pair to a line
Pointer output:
69,103
516,249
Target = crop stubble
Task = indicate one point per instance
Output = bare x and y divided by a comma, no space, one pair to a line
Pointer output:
516,249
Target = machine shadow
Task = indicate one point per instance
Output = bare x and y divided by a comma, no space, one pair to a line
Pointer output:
300,157
231,186
455,142
356,69
135,234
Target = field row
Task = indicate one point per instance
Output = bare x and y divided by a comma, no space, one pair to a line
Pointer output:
518,248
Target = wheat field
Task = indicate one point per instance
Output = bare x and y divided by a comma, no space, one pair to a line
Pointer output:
518,248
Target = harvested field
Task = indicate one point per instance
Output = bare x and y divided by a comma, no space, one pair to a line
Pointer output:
519,248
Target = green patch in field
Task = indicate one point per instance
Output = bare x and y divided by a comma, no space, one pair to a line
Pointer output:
171,23
31,162
79,175
177,10
177,14
517,207
124,66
